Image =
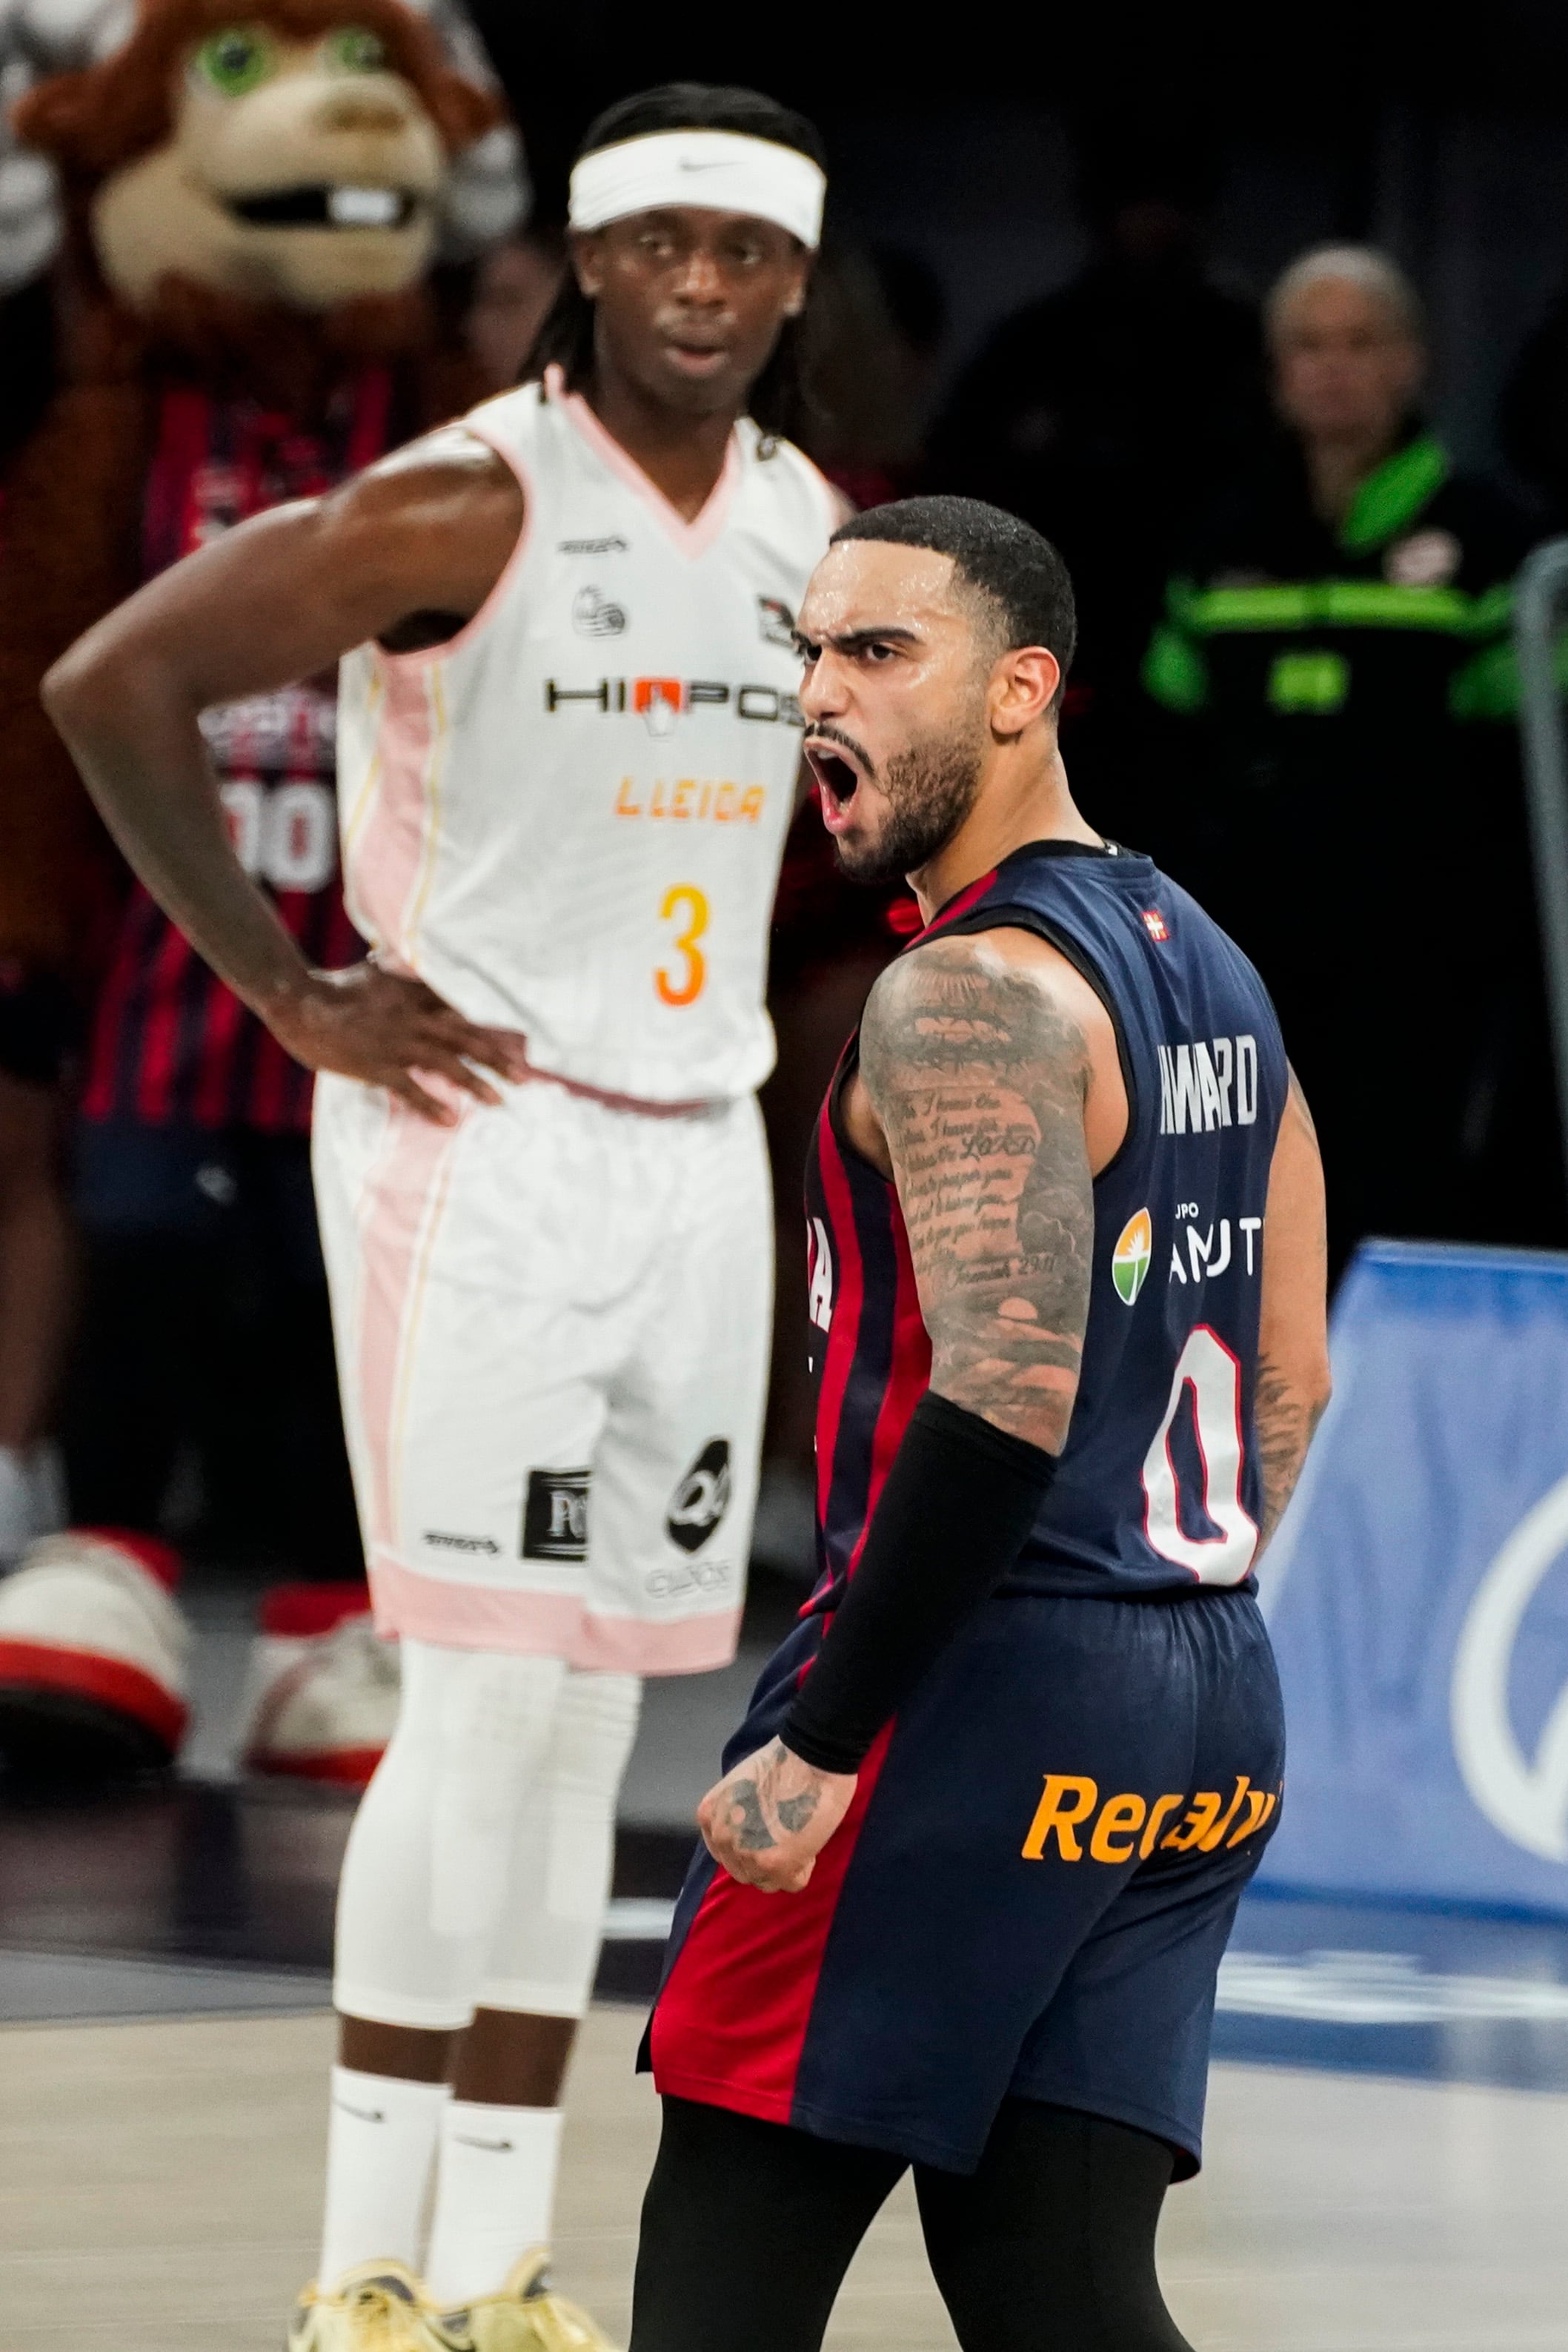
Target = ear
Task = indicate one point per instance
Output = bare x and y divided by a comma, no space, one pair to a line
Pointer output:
1023,686
795,301
585,251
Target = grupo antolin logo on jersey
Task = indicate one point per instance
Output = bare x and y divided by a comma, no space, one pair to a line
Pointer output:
1130,1257
662,701
1525,1798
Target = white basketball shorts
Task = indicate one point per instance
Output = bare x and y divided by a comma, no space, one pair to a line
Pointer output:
552,1325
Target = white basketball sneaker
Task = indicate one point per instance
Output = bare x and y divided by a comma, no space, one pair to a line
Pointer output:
527,2316
375,2308
324,1686
93,1655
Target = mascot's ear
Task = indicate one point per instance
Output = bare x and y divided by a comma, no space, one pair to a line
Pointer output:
461,111
88,122
93,122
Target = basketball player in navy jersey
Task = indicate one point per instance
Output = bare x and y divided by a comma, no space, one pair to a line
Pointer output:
979,1843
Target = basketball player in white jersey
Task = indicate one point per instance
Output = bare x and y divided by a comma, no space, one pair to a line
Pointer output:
569,745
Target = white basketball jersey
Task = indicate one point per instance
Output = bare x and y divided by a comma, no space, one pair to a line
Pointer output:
569,818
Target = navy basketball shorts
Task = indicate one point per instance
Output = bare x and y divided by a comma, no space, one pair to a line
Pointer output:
1028,1898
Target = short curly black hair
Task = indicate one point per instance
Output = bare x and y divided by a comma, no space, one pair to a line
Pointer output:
779,401
1015,570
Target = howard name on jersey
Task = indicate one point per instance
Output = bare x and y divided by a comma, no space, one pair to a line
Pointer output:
569,819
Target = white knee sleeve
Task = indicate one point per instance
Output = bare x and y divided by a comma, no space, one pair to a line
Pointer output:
545,1941
427,1874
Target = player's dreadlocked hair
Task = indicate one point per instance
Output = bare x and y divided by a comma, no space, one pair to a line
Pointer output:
779,401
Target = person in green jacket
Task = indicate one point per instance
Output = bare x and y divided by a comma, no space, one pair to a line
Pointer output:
1347,799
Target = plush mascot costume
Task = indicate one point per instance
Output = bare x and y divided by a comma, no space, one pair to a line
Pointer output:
253,203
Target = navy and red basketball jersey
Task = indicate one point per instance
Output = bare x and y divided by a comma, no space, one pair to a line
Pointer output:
169,1042
1158,1487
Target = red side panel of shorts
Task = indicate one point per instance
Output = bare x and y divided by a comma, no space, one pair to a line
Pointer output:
733,2016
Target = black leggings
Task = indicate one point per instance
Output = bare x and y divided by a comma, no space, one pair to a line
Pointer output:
749,2228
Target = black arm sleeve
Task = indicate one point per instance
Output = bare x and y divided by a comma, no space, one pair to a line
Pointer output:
959,1501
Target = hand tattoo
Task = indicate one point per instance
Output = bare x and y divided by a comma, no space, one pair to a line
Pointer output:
749,1798
794,1813
747,1821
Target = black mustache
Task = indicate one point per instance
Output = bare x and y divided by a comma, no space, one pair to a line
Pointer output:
845,742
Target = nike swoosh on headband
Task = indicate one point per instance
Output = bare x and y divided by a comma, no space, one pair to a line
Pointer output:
758,178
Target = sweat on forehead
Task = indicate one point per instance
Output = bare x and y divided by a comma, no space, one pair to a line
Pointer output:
870,585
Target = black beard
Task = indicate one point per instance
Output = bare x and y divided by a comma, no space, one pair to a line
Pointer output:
930,789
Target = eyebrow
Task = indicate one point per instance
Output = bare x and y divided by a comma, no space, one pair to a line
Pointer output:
851,641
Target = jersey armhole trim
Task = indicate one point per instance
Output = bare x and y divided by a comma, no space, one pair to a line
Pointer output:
844,1069
1025,919
424,656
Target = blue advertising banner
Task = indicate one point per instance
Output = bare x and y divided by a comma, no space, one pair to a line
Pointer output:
1417,1590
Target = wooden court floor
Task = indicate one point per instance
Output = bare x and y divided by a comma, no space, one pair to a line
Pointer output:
159,2185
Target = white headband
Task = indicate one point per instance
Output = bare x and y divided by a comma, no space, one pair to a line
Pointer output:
723,171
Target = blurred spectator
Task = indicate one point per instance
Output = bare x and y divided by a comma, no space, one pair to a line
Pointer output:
514,285
1532,415
876,319
38,1016
1101,415
27,370
57,892
917,306
1337,640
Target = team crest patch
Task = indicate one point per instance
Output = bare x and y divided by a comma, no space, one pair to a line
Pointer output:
555,1515
1130,1257
594,615
702,1498
776,623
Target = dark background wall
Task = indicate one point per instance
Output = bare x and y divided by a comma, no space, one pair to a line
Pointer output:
961,136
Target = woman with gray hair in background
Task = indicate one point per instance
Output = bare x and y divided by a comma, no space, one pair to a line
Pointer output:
1336,646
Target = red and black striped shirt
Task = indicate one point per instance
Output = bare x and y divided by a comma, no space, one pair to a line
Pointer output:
169,1043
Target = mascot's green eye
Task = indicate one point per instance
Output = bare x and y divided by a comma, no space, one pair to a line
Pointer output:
235,61
353,50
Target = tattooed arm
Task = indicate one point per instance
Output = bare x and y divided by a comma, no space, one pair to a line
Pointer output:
989,1089
977,1066
1292,1342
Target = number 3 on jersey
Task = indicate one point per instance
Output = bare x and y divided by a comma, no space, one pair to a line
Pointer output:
1206,1365
686,906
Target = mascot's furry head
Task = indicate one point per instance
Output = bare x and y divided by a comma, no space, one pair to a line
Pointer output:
292,157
